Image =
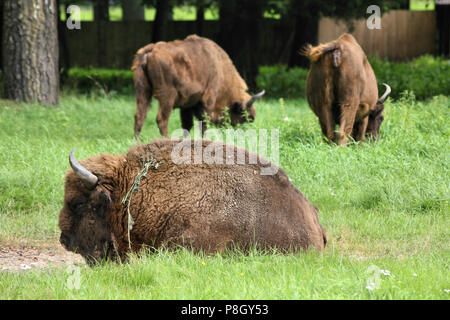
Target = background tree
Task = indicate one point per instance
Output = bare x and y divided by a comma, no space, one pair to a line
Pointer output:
101,15
101,10
240,29
132,10
163,15
442,9
30,51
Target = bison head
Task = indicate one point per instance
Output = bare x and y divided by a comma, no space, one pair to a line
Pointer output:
376,115
241,112
83,218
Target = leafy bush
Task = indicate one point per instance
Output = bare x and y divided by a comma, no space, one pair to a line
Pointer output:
426,76
279,81
107,81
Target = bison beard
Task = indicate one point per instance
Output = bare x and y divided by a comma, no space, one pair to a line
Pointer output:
199,206
342,90
193,74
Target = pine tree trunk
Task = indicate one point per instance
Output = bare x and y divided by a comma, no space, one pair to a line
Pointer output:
101,15
443,28
240,30
200,19
132,10
163,13
302,15
30,51
101,10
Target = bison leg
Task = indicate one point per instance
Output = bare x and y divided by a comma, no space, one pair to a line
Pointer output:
199,113
162,118
359,129
347,120
187,120
327,123
143,99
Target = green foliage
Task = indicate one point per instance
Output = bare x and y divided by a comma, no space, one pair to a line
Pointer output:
279,81
107,81
426,76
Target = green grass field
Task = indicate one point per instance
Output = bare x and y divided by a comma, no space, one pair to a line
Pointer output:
383,204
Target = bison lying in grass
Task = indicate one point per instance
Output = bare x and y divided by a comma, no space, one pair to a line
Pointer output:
115,204
342,89
195,75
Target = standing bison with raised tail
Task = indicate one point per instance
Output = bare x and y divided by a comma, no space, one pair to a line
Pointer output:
193,74
342,89
115,204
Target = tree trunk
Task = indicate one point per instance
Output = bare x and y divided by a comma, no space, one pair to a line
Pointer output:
30,51
64,61
200,19
101,10
163,13
132,10
443,28
240,26
101,15
305,24
1,34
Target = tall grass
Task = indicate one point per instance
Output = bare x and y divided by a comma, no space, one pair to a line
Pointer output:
384,203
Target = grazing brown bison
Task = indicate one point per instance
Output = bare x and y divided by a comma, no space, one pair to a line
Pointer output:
342,89
196,205
193,74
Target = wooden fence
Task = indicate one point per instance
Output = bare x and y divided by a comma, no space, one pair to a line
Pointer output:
403,35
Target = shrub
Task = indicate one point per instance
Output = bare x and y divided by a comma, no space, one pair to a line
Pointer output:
107,81
279,81
426,76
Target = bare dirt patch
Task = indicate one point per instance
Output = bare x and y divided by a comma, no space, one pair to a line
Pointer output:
24,258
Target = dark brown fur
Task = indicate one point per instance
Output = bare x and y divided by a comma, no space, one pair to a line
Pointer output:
200,206
193,74
342,90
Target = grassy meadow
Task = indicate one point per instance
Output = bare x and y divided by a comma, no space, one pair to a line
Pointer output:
384,205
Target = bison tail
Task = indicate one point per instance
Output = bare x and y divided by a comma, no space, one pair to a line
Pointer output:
140,59
139,66
315,53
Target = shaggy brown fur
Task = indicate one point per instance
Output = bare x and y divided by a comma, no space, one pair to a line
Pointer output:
193,74
342,89
199,206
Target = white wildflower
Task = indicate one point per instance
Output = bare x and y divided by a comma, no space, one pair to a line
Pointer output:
370,286
447,290
24,266
286,119
385,272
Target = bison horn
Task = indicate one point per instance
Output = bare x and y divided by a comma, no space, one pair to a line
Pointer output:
385,95
255,97
88,178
